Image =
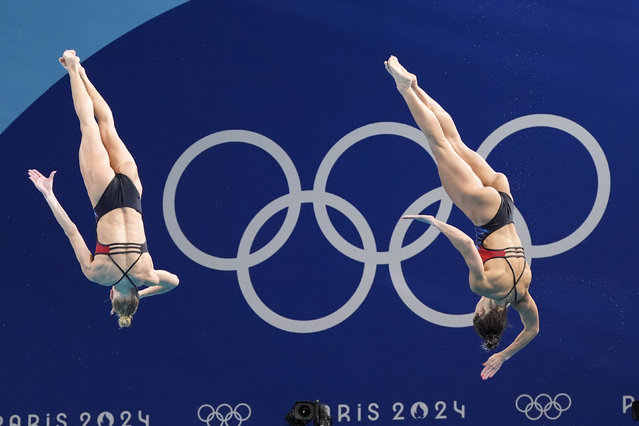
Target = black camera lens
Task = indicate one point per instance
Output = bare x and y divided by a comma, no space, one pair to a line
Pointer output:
304,410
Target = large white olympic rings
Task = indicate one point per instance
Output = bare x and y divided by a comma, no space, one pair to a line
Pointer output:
368,254
598,157
168,202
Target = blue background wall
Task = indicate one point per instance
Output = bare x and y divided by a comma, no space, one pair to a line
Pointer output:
305,75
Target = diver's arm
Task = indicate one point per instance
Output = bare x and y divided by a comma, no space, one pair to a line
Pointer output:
462,242
166,281
529,315
82,252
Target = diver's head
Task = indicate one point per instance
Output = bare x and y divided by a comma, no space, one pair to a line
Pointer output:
124,302
490,321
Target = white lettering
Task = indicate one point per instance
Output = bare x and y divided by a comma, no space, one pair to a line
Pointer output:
86,418
126,417
441,406
13,419
61,417
144,420
343,414
373,413
33,420
627,403
398,409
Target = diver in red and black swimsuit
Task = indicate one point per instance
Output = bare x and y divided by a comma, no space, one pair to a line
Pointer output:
121,260
498,271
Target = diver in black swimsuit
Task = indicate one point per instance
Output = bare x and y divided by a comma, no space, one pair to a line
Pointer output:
111,178
498,271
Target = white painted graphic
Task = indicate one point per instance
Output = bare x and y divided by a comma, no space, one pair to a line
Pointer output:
224,414
368,255
543,406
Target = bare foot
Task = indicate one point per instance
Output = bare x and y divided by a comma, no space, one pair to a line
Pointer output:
403,79
69,60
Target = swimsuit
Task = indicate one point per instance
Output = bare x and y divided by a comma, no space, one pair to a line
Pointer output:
503,217
121,192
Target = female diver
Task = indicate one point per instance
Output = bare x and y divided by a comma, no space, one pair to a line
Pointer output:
121,259
499,272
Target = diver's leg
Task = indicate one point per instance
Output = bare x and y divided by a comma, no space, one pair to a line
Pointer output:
94,159
120,158
480,167
464,187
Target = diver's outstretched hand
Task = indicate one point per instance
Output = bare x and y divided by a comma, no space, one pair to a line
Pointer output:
426,218
42,183
492,366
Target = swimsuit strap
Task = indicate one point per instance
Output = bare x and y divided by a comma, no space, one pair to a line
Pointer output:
517,253
125,248
125,273
509,253
515,282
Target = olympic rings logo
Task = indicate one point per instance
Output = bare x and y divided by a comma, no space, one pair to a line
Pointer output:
543,405
369,255
224,413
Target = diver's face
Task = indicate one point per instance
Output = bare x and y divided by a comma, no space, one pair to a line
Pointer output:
111,294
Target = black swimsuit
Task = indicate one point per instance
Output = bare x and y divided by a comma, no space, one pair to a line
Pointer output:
503,217
121,192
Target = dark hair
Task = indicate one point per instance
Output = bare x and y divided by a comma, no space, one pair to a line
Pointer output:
125,306
490,326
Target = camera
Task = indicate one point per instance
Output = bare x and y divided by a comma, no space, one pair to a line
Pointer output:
304,411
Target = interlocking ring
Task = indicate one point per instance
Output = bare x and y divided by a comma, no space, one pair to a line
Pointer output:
369,255
601,166
544,406
168,201
224,413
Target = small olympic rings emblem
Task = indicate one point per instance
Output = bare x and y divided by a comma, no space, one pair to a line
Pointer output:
543,405
369,255
224,414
